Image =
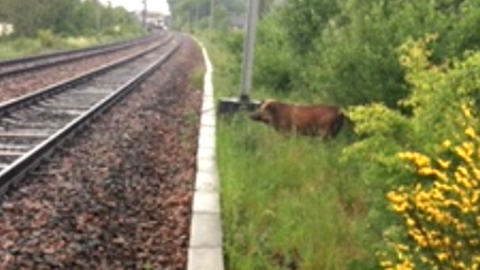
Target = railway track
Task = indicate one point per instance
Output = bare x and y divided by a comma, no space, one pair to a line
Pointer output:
21,65
32,126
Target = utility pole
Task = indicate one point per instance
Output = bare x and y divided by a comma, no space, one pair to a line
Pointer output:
144,14
210,26
248,48
97,16
230,106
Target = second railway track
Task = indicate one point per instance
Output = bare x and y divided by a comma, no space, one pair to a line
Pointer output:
31,127
17,66
22,76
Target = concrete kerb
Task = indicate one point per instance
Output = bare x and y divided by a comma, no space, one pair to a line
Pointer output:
205,251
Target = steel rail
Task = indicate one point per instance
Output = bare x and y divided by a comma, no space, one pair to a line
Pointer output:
26,100
21,166
82,53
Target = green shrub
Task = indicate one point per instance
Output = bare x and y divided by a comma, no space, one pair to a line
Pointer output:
440,213
275,67
344,51
48,39
438,91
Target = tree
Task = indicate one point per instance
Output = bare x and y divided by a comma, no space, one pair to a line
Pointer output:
195,13
69,17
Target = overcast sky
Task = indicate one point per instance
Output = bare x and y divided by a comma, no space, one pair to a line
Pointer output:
133,5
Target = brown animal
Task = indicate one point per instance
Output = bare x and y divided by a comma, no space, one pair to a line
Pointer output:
309,120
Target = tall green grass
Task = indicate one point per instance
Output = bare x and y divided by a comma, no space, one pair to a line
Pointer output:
288,202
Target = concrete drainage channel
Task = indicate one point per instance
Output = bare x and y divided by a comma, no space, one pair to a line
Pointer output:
205,251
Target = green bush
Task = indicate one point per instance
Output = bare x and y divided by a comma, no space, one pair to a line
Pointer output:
438,92
344,51
275,67
439,213
48,39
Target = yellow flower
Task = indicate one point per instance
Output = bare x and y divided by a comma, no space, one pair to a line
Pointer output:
424,259
402,247
463,171
441,176
468,147
470,132
476,172
426,171
443,187
460,151
385,263
446,144
443,163
447,241
475,196
438,195
396,198
443,256
400,208
410,222
421,160
466,112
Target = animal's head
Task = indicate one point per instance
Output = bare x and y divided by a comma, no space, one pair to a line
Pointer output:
265,112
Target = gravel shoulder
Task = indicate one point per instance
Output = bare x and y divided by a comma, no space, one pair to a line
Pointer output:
119,196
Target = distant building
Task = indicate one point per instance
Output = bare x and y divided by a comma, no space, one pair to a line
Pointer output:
153,19
6,29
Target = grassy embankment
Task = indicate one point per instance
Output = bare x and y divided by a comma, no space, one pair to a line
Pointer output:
47,42
287,203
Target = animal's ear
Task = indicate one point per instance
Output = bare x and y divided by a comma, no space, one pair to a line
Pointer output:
269,106
265,105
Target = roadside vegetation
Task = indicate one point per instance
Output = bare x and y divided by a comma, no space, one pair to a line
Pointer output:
399,188
59,25
285,203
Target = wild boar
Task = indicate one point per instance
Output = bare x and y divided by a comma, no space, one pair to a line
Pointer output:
309,120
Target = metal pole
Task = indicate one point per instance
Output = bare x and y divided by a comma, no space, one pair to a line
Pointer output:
97,17
144,14
248,49
211,21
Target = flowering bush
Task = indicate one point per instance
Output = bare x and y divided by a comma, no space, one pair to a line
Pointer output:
433,189
428,115
441,210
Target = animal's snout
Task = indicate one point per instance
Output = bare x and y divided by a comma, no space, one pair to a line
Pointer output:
255,116
259,116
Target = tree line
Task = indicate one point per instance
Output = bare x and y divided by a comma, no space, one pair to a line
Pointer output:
191,15
66,17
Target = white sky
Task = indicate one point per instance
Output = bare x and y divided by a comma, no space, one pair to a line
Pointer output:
136,5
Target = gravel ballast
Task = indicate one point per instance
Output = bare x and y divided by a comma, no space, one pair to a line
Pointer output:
119,195
34,80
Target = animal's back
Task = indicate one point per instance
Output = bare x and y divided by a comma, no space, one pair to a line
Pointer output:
323,120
